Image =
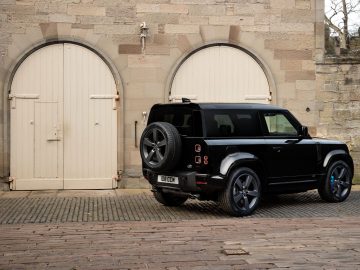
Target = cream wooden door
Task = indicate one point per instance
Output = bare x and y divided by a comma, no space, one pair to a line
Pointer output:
63,121
90,130
220,74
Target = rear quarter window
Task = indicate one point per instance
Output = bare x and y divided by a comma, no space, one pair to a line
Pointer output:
232,123
186,120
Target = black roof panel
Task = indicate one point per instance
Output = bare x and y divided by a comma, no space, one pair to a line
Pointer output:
222,106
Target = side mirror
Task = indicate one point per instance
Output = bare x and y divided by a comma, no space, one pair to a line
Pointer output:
304,132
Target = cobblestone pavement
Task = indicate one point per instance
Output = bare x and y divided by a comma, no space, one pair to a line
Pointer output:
256,243
47,230
48,208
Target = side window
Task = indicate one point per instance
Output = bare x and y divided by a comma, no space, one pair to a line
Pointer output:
218,124
278,125
232,123
181,118
247,124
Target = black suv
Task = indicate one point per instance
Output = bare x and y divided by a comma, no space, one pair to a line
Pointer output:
236,153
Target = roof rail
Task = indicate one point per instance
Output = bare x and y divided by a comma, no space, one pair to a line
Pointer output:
185,100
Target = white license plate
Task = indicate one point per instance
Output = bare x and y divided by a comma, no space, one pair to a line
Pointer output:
168,179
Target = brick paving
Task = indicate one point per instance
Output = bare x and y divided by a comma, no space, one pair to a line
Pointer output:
298,243
143,207
105,230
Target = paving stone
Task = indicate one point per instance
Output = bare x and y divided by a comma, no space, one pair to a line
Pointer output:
55,208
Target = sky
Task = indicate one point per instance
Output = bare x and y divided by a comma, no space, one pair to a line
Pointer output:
354,18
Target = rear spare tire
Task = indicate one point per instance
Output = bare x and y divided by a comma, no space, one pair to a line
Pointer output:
160,146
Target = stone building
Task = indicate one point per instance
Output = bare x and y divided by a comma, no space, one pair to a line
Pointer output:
79,77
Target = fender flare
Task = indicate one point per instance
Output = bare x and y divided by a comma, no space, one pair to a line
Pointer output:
233,158
331,154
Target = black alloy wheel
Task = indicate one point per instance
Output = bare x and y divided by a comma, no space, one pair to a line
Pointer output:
160,146
242,194
336,186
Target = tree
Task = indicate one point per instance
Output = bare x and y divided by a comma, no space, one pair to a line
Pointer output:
337,18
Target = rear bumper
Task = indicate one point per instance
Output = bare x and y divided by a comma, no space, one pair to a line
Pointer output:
189,181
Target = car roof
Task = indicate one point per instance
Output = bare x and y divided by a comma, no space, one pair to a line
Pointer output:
222,106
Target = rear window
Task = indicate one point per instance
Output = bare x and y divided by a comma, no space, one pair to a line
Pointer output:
186,120
232,123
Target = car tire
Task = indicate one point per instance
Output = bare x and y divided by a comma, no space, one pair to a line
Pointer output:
242,193
169,199
160,146
336,185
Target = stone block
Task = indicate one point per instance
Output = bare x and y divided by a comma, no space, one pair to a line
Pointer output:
96,20
86,10
135,91
163,39
82,26
286,64
134,182
46,7
212,32
157,50
305,95
211,10
286,91
297,16
293,54
300,28
183,43
303,4
145,61
64,29
116,29
25,18
49,29
6,27
234,34
255,28
162,8
308,65
181,28
292,76
187,19
162,18
249,9
308,85
17,9
62,18
8,2
301,43
266,19
231,20
5,38
129,49
146,75
280,4
196,2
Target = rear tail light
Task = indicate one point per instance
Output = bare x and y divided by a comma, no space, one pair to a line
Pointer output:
200,158
197,148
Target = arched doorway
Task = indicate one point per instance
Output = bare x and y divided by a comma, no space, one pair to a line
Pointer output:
63,121
220,73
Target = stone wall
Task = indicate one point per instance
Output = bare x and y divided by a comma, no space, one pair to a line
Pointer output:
338,89
285,35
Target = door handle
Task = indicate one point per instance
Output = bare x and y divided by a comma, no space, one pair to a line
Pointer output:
277,148
292,141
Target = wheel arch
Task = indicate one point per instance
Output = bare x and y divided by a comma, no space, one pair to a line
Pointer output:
237,160
336,155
